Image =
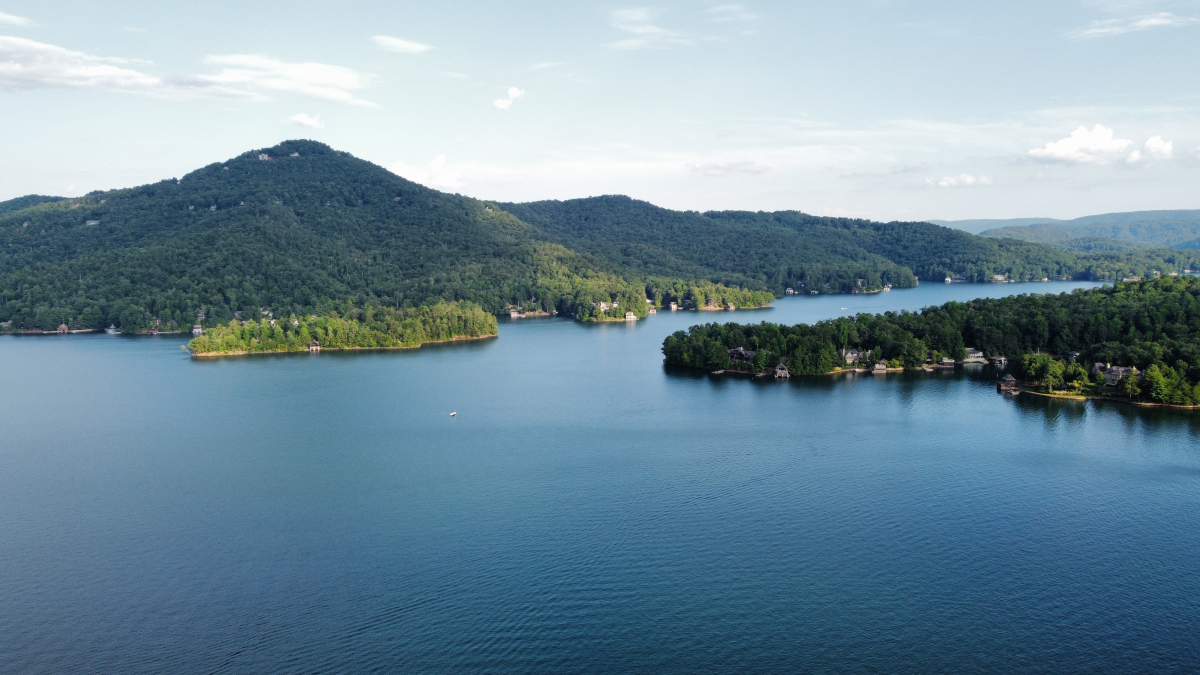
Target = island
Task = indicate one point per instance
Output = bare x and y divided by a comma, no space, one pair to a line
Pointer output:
1137,342
369,327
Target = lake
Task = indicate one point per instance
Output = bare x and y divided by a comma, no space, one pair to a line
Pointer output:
587,510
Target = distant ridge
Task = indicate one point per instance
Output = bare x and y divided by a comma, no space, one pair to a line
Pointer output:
1166,228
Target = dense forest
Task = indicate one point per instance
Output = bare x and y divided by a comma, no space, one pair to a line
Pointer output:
370,327
1153,326
775,251
300,228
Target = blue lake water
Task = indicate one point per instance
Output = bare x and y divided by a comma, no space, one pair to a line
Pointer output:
586,511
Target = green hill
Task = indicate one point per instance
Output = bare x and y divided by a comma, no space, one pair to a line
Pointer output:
25,202
312,230
789,248
1164,229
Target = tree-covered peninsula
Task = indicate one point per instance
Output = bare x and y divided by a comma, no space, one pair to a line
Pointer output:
370,327
1151,328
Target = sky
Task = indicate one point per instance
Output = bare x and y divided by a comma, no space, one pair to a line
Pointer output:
885,109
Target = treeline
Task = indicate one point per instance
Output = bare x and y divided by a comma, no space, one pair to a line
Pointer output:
369,327
1140,324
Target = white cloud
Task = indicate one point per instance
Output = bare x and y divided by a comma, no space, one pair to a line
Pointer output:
730,168
961,180
1155,148
1100,146
13,20
506,103
26,64
436,174
646,35
1084,147
306,120
1110,27
395,44
314,80
725,13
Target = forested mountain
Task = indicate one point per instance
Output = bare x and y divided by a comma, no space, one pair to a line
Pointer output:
1165,229
789,248
301,228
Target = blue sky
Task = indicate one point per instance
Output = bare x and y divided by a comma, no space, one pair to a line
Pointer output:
884,109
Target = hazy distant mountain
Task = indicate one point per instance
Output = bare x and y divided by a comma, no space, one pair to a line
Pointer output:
1173,229
985,224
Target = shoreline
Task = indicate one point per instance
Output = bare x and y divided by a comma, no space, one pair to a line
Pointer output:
217,355
1113,399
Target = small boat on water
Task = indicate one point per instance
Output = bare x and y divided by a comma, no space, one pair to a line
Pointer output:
454,414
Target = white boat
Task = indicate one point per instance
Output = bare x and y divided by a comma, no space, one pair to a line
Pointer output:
454,414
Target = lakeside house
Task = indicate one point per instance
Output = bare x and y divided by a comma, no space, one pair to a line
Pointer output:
789,291
974,356
62,329
197,329
998,361
630,316
781,372
879,368
674,306
1113,374
1007,384
850,356
947,362
741,355
314,347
